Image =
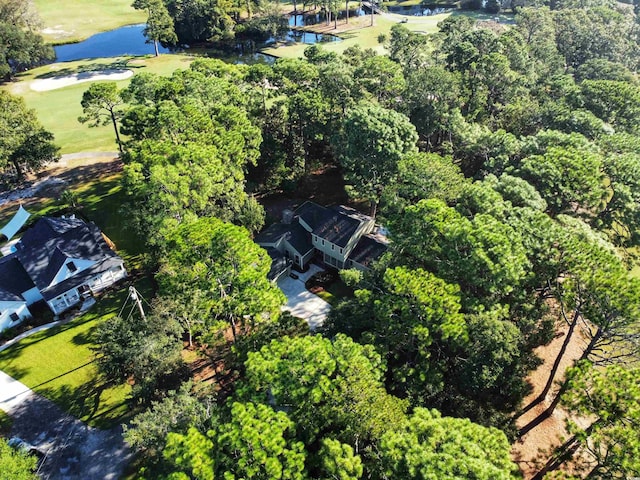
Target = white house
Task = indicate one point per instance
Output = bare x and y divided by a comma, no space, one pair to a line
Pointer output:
59,261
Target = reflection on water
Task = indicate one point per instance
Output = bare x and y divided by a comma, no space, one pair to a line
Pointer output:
127,40
131,41
423,10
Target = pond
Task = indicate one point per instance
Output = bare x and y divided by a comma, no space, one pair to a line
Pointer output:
127,40
422,10
131,41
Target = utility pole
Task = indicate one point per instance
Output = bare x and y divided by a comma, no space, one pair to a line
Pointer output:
135,296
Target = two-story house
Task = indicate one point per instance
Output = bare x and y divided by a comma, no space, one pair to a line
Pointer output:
59,261
341,236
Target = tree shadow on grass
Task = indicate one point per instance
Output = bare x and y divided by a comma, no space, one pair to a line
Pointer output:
89,69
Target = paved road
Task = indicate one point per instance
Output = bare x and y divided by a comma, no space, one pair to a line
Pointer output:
73,450
301,302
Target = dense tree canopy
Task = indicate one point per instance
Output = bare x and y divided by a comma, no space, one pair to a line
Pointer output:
21,45
25,146
428,446
505,163
221,261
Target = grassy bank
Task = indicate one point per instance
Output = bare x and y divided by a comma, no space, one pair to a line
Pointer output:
58,110
360,32
67,21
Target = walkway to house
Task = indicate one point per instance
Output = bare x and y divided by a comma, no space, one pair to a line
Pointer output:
73,451
301,302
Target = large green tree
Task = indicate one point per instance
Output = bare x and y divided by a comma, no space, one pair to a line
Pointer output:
328,388
371,145
221,261
608,446
428,446
159,27
102,104
25,146
255,442
21,45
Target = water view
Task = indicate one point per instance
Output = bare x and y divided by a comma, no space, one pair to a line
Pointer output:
131,41
122,41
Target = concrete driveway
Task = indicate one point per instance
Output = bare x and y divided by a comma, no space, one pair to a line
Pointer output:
73,450
301,302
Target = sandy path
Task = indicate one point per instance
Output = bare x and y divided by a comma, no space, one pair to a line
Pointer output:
46,84
532,450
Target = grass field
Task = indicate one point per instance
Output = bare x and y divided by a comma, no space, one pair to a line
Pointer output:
58,110
361,33
59,363
67,21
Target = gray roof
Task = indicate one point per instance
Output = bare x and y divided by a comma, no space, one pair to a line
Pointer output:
367,250
313,214
45,248
13,279
279,264
300,239
47,228
294,233
272,234
340,226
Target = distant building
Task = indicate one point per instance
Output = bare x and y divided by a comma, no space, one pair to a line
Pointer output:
59,261
341,236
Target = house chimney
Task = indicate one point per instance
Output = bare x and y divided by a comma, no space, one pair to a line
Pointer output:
287,216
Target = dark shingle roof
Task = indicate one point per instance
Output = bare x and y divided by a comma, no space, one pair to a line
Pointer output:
272,233
313,214
61,239
300,239
13,279
367,250
279,263
295,234
340,226
47,228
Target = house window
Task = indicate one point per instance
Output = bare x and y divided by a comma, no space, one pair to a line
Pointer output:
14,317
333,247
322,242
72,267
340,250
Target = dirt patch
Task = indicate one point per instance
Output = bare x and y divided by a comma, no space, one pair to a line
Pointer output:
325,186
532,450
70,171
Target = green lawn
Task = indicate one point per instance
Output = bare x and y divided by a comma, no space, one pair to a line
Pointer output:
59,363
58,110
67,21
366,36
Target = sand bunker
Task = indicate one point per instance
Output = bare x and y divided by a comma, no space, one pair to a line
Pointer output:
45,84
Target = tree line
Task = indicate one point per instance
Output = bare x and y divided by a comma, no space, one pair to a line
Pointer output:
505,162
505,165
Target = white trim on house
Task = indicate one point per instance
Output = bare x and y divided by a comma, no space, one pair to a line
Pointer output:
12,313
74,295
67,270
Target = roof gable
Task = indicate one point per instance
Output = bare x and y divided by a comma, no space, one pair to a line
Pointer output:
13,279
61,241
